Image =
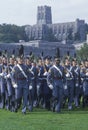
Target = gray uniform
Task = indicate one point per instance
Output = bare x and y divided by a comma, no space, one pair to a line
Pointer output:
21,90
56,77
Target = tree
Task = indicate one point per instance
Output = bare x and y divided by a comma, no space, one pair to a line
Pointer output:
12,33
82,54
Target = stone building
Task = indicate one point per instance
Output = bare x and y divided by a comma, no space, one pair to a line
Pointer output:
39,46
44,15
45,30
46,37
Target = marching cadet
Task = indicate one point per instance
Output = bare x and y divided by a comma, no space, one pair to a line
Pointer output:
69,85
3,86
34,80
81,82
55,81
44,90
47,90
77,81
84,75
20,83
40,86
28,63
10,89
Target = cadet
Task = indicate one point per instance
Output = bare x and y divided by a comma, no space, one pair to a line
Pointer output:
47,90
34,80
40,88
10,89
28,62
3,87
77,81
84,75
20,83
55,81
69,85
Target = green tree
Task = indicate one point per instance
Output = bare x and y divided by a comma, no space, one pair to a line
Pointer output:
12,33
82,54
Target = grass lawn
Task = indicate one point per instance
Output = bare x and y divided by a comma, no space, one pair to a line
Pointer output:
41,119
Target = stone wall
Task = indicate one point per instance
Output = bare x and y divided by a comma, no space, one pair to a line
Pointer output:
38,46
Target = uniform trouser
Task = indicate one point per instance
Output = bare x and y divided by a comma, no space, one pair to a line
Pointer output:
34,90
47,101
21,92
80,93
58,94
47,95
85,88
3,90
30,100
65,94
85,93
70,87
76,95
40,92
44,94
10,93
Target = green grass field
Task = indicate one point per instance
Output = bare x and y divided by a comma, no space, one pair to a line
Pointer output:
41,119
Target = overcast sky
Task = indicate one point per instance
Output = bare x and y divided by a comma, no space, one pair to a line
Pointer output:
23,12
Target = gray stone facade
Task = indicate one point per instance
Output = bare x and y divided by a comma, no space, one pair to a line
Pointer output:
39,46
44,15
44,29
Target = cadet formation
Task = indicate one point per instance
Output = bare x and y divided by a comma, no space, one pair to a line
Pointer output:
45,83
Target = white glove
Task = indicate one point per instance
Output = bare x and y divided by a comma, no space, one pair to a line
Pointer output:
87,74
15,85
30,87
1,74
38,86
82,79
65,86
67,75
45,74
8,76
50,86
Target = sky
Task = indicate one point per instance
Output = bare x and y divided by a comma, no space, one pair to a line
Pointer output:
24,12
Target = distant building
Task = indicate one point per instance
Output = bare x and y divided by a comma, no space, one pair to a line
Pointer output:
45,30
44,15
39,46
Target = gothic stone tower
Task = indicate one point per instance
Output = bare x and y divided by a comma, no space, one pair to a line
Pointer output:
44,15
